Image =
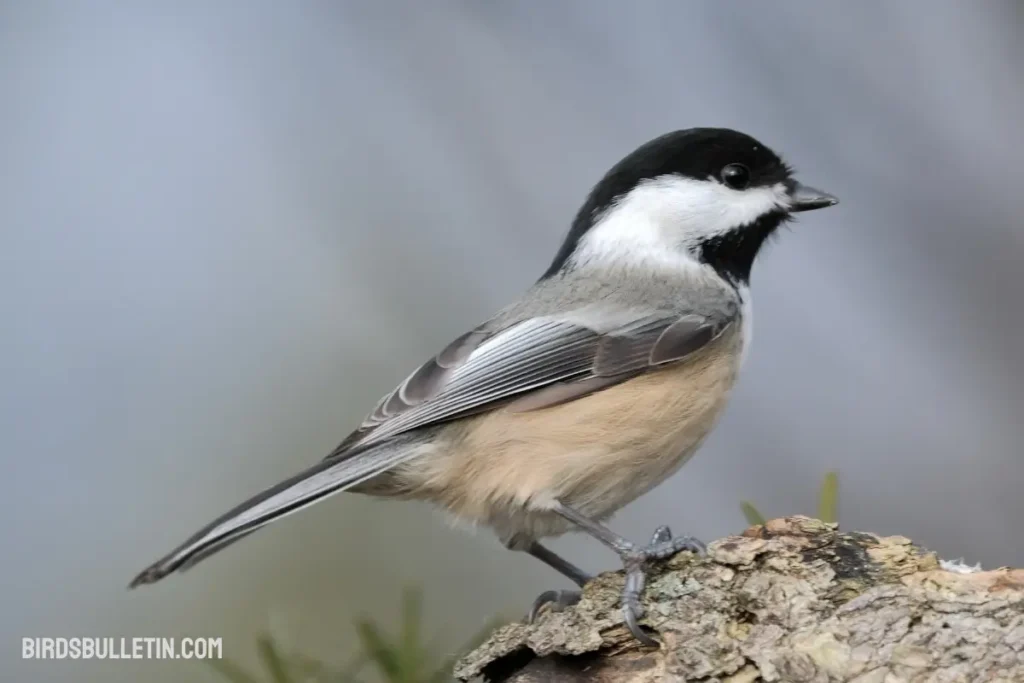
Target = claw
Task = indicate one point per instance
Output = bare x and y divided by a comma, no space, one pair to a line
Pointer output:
631,617
632,608
558,601
662,545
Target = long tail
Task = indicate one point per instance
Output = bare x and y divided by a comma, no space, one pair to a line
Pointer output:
293,494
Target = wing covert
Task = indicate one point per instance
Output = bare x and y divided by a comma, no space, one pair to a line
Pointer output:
535,363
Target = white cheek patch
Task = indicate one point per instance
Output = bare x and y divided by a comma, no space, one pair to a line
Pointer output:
665,217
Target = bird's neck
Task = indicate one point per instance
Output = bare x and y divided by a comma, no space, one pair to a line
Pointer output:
732,253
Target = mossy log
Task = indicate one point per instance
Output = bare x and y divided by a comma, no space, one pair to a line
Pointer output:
795,601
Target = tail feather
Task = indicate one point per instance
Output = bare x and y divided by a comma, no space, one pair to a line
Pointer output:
316,483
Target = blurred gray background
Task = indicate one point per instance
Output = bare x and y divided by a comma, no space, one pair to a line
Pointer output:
227,227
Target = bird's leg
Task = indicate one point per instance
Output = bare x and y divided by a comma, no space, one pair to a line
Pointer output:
634,560
560,599
558,563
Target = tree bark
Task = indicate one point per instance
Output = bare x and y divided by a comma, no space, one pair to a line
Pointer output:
794,601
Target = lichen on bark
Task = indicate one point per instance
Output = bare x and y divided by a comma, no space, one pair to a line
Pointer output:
794,600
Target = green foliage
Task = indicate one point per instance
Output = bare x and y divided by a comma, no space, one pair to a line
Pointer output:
750,512
828,499
404,658
828,503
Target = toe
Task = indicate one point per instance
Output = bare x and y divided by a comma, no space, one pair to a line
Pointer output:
543,599
556,601
693,544
661,535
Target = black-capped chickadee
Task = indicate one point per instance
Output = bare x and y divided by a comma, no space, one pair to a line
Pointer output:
596,385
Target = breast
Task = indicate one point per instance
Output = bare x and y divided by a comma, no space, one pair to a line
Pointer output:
595,453
746,323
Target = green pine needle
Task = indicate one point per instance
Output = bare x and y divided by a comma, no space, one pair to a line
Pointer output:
411,651
272,660
231,671
406,658
828,503
754,517
386,655
828,499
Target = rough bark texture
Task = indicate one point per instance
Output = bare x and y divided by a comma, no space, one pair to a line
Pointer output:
794,600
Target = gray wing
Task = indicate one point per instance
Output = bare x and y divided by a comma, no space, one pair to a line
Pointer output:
529,364
536,363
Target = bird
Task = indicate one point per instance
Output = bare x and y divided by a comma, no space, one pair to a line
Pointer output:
599,382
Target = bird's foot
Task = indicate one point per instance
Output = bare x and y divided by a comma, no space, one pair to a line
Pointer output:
556,601
635,561
663,544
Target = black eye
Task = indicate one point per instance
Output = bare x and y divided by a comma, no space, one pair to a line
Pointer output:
736,176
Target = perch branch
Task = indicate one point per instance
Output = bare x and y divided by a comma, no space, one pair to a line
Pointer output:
795,601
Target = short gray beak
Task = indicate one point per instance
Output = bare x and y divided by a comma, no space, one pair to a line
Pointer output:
804,198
